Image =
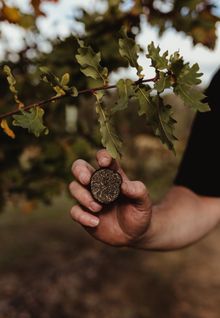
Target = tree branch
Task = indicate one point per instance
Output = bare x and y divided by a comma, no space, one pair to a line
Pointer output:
56,98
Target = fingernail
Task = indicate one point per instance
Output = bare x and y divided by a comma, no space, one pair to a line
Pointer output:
95,207
104,161
83,178
94,222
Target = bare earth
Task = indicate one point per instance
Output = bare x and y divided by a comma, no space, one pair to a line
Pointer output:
51,268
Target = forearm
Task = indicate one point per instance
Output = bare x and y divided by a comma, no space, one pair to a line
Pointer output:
181,219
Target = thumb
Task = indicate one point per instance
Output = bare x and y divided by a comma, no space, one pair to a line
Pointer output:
137,191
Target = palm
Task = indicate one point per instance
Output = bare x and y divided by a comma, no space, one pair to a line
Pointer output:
120,224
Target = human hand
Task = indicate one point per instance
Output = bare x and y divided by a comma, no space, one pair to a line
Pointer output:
123,223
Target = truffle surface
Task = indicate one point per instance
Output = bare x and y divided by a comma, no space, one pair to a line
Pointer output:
105,185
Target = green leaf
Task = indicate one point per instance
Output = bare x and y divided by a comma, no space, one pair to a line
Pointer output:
44,69
160,62
164,81
59,86
186,77
126,91
144,99
189,75
110,140
163,122
191,97
99,95
176,63
12,84
158,115
129,50
48,77
74,92
65,79
59,91
90,63
31,120
11,79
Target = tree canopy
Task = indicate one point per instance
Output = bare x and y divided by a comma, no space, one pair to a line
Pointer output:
36,168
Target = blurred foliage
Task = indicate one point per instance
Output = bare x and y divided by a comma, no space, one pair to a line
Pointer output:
39,169
13,14
195,18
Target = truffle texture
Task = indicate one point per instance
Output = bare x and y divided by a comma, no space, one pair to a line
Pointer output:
105,185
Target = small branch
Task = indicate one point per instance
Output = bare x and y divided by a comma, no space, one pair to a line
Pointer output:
56,98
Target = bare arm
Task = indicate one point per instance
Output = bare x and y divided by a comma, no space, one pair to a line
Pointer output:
181,219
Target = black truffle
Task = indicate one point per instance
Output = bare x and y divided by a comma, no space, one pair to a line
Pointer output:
105,185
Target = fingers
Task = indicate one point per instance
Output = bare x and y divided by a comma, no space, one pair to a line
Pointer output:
84,197
82,171
136,190
106,161
84,218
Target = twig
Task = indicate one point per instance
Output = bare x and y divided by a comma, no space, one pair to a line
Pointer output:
56,98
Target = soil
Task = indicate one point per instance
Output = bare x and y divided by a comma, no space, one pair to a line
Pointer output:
50,267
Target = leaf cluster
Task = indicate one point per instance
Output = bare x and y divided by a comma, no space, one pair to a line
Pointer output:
171,72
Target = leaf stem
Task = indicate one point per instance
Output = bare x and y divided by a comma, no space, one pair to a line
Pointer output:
83,91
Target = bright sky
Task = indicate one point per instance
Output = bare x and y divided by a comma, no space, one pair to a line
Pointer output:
59,21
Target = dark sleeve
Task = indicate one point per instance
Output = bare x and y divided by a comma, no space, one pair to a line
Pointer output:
200,166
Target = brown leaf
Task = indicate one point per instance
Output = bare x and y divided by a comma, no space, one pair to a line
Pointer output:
11,14
36,5
7,129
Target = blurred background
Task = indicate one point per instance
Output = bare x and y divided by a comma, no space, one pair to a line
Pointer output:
50,267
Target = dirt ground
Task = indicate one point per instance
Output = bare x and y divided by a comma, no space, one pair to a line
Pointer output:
51,268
